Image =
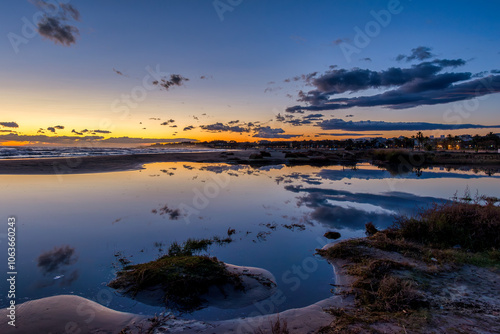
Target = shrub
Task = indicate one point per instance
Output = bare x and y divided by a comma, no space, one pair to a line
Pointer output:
465,222
370,229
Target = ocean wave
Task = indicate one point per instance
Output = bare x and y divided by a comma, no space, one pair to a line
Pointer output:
61,152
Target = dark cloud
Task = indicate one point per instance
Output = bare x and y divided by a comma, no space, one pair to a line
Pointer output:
304,120
348,134
220,127
439,90
117,72
366,59
52,29
72,140
54,128
187,128
129,140
168,122
425,83
56,259
175,80
419,53
57,25
314,117
268,132
80,133
9,124
339,124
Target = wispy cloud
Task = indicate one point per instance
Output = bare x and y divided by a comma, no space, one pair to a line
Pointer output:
419,53
175,80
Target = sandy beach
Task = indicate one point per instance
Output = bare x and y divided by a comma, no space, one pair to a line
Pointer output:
111,163
74,314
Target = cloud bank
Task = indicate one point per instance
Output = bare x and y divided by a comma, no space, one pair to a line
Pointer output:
94,140
426,83
339,124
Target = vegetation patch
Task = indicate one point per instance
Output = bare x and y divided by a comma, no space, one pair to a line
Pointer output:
182,276
393,269
464,224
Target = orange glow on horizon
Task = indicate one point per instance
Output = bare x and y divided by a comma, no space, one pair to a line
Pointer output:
15,143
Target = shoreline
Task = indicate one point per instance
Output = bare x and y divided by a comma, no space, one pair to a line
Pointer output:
58,313
489,162
455,292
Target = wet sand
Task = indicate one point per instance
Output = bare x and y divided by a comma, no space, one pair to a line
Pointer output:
74,314
113,163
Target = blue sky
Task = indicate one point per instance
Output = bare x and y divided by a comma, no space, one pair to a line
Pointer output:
45,83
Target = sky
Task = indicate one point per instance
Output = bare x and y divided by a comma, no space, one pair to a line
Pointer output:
131,73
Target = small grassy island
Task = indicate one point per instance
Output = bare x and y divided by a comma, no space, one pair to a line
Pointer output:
185,281
436,272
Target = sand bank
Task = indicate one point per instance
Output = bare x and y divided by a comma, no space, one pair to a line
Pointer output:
68,314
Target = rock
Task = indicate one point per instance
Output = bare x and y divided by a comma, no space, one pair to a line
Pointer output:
332,235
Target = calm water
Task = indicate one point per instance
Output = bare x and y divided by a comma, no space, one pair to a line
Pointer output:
70,228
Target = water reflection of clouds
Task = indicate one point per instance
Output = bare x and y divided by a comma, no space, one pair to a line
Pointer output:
225,168
239,169
370,208
344,209
57,261
373,174
296,176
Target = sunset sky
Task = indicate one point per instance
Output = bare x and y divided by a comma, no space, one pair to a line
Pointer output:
132,72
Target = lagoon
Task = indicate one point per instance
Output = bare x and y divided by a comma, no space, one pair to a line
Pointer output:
72,230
